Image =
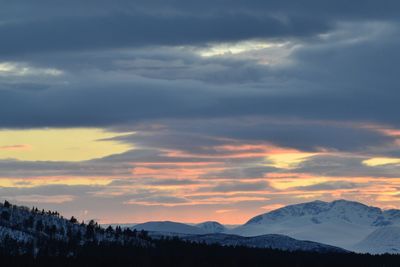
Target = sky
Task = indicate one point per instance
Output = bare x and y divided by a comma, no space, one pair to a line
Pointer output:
132,111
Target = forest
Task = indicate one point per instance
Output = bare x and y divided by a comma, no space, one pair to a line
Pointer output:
175,252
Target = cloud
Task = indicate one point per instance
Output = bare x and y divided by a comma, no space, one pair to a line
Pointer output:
15,147
331,185
237,187
47,27
48,190
312,90
137,29
346,166
158,201
29,169
39,199
173,182
304,135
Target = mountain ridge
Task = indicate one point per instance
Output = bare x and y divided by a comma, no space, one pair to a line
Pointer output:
271,241
340,223
169,227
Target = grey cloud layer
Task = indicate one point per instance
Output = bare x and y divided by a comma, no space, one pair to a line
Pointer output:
55,25
46,26
119,31
328,80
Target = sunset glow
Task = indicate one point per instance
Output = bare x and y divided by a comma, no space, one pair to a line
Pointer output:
59,144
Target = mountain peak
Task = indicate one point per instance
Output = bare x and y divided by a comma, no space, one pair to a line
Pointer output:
168,226
212,227
338,209
340,223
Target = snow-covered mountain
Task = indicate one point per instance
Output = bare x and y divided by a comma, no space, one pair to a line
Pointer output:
212,227
170,228
339,223
273,241
382,240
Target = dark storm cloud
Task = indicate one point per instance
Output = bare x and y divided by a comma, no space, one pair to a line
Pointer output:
118,31
344,88
45,26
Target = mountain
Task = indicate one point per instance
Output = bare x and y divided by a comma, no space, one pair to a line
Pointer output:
346,224
382,240
169,227
212,227
210,233
339,223
272,241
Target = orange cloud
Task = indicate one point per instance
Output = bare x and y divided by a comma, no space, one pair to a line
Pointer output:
16,147
53,180
234,206
180,164
176,172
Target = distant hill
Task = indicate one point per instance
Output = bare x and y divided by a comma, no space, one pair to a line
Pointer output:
169,227
212,227
272,241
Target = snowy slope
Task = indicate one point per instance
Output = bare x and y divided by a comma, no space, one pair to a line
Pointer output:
339,223
169,227
383,240
265,241
22,228
212,227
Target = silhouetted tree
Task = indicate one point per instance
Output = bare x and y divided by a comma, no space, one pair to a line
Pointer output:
7,204
73,220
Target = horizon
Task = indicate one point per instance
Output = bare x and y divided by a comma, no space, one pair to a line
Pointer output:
134,111
195,223
238,224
